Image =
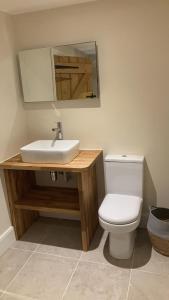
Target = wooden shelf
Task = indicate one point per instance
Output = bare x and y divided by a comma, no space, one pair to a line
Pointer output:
26,198
50,199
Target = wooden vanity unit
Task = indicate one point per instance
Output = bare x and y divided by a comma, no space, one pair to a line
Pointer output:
27,199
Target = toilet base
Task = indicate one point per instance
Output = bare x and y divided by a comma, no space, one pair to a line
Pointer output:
121,245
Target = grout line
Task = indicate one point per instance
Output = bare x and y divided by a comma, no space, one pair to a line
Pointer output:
84,260
38,246
2,293
69,257
45,252
70,279
61,256
103,263
19,271
9,284
25,250
128,286
42,240
154,273
17,295
56,255
132,263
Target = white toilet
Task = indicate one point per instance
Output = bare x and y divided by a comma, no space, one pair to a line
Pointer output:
120,211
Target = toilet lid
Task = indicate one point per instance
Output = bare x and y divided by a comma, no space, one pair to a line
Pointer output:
120,209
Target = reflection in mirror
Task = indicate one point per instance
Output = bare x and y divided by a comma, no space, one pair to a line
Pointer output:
75,71
59,73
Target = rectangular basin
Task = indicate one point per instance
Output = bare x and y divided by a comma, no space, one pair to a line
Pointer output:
50,151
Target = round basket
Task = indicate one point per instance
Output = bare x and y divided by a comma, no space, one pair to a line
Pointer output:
159,244
158,229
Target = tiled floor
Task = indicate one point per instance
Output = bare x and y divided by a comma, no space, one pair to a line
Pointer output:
49,264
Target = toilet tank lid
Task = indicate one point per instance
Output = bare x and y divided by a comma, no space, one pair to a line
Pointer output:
124,158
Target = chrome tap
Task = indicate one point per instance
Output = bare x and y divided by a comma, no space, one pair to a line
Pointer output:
59,131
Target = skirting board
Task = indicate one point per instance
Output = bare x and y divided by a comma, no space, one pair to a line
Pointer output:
6,239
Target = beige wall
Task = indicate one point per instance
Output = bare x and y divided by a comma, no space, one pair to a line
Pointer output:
12,116
133,48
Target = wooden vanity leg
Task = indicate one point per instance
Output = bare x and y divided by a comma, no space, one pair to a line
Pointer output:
88,200
17,182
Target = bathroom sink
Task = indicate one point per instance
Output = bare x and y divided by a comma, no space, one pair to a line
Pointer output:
50,151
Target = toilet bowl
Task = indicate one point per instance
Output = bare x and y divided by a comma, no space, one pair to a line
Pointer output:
120,216
120,211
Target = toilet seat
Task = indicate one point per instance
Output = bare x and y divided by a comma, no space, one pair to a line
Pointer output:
118,209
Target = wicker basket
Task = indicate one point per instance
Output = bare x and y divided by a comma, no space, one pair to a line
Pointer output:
159,244
158,229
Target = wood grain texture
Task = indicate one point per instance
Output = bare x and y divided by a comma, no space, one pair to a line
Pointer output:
26,199
84,160
88,199
18,183
73,76
50,199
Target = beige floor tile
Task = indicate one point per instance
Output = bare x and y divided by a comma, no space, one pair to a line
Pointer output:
10,264
148,286
63,238
7,296
43,277
35,235
98,281
146,258
23,245
99,252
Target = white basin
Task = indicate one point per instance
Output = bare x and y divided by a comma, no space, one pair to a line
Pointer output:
50,151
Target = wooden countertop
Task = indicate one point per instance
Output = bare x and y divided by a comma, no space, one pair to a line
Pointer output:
83,161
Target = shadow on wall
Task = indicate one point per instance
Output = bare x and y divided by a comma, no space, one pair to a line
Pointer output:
17,136
89,103
78,103
149,194
100,179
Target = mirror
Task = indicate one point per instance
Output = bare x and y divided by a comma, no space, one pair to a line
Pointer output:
60,73
76,71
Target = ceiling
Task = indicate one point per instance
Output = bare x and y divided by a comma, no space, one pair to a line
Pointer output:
23,6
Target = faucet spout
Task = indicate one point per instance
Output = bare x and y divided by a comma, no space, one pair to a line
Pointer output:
59,131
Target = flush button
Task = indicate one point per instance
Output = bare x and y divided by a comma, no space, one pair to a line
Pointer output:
124,155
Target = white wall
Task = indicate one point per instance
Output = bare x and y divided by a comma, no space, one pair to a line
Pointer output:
12,116
133,49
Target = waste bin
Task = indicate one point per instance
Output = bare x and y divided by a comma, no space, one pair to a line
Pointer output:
158,229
